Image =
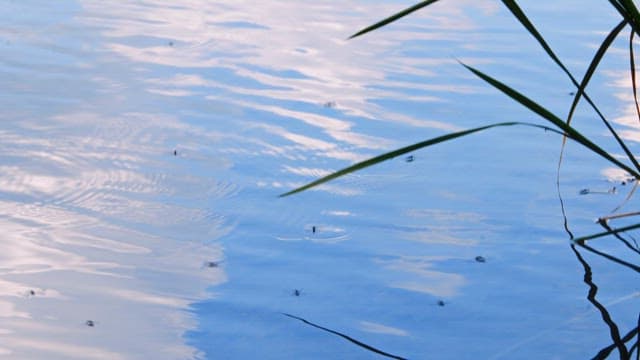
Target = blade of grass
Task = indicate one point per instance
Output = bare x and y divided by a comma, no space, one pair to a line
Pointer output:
393,18
595,61
627,15
593,65
524,20
632,10
583,239
632,66
618,236
546,114
405,150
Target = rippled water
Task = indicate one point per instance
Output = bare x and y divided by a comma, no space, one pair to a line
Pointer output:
145,144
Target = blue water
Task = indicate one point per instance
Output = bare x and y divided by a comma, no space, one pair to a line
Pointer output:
145,145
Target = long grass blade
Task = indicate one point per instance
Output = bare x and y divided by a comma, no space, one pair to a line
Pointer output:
618,236
627,15
583,239
593,65
546,114
632,66
393,18
632,10
407,149
524,20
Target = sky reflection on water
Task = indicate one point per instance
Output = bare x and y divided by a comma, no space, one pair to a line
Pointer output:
145,144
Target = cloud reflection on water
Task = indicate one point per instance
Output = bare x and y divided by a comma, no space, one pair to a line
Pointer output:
303,58
104,217
92,220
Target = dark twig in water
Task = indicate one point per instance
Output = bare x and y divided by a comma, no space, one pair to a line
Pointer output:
583,239
361,344
605,225
605,219
593,291
564,212
604,353
636,268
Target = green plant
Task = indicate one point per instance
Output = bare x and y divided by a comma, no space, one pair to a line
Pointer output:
630,18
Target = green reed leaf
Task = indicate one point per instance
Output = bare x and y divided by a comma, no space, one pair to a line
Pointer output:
632,70
593,65
626,11
582,239
393,18
547,115
524,20
407,149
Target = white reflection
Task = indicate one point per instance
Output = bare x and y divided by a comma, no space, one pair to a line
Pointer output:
281,51
338,213
88,235
8,310
308,172
58,350
627,116
615,175
448,227
382,329
308,143
425,280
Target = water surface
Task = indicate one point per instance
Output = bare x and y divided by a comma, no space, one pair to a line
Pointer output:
145,145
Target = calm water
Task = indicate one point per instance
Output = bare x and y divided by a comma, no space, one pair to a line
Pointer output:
144,146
